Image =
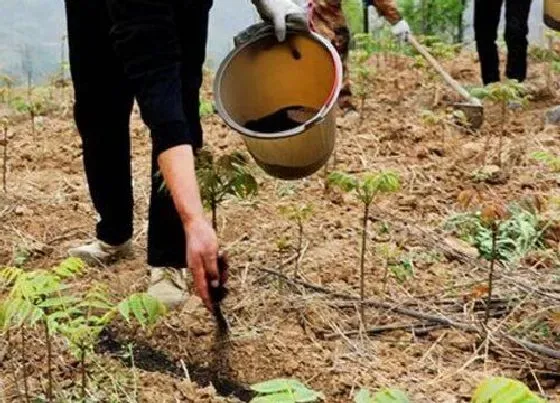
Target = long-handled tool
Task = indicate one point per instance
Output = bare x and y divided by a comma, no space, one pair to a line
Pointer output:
365,15
472,107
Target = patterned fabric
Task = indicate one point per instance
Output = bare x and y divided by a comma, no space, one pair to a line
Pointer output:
327,19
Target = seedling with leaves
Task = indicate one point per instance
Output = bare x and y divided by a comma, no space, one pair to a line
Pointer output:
550,160
500,233
32,107
36,297
437,121
390,254
6,87
299,214
228,176
364,74
366,190
4,143
504,94
44,297
95,312
439,49
554,60
206,108
284,391
492,214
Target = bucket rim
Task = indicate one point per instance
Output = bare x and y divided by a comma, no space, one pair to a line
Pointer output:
328,105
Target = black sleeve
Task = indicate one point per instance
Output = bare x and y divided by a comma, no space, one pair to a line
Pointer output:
145,38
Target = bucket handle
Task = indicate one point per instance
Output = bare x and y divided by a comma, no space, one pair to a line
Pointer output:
260,29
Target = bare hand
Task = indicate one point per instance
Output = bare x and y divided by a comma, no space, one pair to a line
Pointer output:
202,257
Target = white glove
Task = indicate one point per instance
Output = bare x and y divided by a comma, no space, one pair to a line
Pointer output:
401,30
277,12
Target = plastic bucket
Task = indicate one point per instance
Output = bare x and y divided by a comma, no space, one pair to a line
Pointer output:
552,14
261,76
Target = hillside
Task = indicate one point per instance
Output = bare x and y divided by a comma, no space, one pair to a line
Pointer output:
38,25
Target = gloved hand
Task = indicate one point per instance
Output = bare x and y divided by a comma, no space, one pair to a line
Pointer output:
278,12
401,30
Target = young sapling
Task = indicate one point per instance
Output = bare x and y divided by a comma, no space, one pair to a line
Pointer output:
437,122
32,107
4,144
492,214
298,214
227,176
507,94
364,74
6,86
366,189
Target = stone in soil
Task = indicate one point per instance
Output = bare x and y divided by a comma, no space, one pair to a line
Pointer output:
553,116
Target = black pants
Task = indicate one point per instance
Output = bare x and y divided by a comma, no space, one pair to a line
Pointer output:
486,20
152,50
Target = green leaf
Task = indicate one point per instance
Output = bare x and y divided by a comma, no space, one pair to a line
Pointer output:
33,315
304,395
285,390
278,397
387,181
124,310
58,302
344,181
145,309
480,93
390,396
504,390
95,304
154,308
137,308
4,324
274,385
69,267
9,275
363,396
206,108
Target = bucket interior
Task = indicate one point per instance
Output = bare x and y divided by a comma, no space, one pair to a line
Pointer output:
552,14
265,76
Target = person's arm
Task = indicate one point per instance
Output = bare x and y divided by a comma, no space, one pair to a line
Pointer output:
388,9
145,38
177,166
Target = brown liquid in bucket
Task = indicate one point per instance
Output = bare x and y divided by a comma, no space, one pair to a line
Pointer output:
552,14
281,120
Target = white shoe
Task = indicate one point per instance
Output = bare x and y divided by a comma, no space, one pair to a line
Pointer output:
168,285
99,252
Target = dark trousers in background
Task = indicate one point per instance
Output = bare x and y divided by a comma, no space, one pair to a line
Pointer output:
486,20
159,50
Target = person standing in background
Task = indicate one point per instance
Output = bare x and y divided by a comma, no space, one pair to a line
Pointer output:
487,15
326,18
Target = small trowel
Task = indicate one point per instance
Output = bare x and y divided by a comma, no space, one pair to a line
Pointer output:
217,294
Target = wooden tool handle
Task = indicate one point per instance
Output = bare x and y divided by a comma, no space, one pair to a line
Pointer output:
435,64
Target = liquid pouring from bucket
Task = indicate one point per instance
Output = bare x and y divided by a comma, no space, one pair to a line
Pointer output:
281,98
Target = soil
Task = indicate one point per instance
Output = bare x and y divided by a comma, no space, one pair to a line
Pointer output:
279,328
283,119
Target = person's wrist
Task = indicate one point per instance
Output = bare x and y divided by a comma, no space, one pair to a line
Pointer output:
192,218
189,217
